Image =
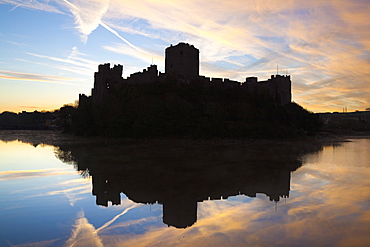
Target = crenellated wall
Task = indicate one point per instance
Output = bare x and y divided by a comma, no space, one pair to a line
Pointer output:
278,86
182,65
149,74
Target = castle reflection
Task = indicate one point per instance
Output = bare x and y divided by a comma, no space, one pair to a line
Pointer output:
178,173
179,194
178,177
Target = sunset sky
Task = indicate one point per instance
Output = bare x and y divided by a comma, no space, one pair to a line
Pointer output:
49,50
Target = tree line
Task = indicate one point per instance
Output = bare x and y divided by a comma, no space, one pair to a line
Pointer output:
172,109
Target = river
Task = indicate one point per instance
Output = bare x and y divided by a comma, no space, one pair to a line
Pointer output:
58,190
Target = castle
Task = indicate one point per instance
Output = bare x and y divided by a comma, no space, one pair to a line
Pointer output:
182,65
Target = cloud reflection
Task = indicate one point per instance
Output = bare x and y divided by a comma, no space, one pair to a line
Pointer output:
311,213
84,234
74,192
327,207
8,175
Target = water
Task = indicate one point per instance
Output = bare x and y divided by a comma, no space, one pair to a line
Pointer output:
61,191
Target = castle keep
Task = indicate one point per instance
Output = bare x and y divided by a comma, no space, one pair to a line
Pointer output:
182,61
182,65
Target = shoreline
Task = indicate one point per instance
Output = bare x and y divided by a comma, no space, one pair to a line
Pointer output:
50,137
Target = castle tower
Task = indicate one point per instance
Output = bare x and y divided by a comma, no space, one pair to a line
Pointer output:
182,60
282,88
105,79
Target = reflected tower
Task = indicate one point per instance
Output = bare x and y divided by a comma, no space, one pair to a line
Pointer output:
178,181
180,212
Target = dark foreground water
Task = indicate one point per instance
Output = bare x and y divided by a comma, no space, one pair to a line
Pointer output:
62,191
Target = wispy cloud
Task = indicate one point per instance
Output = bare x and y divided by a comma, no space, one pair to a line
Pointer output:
143,55
15,43
35,5
75,63
317,37
29,107
24,76
315,40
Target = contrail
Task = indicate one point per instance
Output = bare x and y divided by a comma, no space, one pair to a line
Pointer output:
119,36
109,29
72,5
116,217
14,7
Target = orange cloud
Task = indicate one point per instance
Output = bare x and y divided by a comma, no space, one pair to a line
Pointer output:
319,42
15,75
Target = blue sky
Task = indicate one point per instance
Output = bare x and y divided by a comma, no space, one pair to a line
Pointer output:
51,49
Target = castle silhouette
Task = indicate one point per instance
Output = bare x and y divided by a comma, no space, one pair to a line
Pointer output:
182,65
168,175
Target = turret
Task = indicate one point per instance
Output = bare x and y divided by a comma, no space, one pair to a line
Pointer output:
105,79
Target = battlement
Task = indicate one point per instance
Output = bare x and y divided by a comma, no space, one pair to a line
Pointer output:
182,64
280,77
105,68
149,74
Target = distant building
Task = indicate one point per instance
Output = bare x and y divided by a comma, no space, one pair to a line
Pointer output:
182,64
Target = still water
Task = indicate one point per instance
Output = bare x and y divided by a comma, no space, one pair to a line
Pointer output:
57,190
